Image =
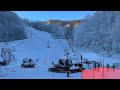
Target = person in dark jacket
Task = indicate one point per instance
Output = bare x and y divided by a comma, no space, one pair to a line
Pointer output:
68,71
95,65
113,67
107,67
81,57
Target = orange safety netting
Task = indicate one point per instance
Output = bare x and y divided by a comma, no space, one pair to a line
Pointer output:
101,73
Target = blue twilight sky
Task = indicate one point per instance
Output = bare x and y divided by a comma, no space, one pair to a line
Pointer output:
47,15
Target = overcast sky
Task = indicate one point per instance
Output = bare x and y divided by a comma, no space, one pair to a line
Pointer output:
47,15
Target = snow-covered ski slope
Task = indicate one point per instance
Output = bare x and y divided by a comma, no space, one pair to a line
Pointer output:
35,47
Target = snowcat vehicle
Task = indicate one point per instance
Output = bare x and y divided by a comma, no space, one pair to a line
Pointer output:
28,63
65,65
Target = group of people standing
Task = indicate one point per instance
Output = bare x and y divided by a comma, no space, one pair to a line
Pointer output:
99,64
108,66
